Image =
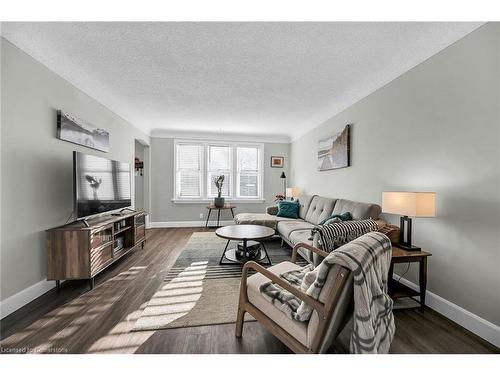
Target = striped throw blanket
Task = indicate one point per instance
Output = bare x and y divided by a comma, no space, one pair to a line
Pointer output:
285,301
369,258
334,235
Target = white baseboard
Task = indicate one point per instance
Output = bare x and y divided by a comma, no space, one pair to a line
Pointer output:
481,327
187,224
18,300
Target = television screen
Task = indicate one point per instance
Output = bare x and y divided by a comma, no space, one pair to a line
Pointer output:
100,185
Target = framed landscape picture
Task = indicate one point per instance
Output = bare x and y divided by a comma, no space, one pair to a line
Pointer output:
335,151
277,161
72,129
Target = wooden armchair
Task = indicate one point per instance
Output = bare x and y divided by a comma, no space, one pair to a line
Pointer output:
330,311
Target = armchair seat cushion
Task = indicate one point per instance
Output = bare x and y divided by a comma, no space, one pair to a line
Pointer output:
295,328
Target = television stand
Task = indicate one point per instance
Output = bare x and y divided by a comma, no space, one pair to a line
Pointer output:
75,252
84,222
126,209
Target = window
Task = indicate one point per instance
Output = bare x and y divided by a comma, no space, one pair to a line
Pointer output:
219,163
189,170
198,163
248,172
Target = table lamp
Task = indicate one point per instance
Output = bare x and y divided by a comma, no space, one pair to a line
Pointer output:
293,192
415,204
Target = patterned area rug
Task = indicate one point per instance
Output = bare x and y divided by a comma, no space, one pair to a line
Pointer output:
197,290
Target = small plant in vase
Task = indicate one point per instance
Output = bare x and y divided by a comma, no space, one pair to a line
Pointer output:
219,183
279,198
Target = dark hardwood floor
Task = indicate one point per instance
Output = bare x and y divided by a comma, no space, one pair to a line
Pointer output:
76,320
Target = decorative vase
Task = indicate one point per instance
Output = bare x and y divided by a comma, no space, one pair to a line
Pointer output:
219,202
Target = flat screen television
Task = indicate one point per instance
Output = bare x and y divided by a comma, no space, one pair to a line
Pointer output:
99,185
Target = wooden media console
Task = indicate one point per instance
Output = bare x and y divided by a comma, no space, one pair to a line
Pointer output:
75,251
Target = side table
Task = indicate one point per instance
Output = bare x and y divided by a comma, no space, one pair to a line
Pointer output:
398,289
211,207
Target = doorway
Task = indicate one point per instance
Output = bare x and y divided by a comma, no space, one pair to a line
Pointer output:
141,176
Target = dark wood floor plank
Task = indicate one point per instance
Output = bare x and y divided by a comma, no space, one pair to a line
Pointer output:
101,321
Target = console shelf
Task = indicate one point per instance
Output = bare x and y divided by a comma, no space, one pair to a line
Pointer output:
122,230
75,251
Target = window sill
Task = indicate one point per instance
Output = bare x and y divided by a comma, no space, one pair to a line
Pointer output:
204,201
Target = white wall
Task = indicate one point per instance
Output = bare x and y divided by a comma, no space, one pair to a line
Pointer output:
162,185
36,186
435,128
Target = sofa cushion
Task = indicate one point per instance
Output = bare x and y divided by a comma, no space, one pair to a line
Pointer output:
303,235
320,208
343,217
272,210
304,202
285,228
295,328
267,220
358,210
288,209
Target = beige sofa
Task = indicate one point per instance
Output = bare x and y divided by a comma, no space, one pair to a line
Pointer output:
313,209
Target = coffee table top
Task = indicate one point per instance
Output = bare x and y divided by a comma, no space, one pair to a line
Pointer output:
245,232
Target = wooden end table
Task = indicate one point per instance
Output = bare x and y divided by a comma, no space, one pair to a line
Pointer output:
398,289
211,207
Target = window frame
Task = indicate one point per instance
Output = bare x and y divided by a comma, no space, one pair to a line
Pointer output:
176,171
207,171
233,171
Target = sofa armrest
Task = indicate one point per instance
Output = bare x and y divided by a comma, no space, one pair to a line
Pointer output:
272,210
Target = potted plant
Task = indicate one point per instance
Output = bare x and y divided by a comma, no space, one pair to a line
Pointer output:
279,198
219,182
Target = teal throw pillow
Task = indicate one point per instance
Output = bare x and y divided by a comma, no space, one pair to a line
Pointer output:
288,209
344,217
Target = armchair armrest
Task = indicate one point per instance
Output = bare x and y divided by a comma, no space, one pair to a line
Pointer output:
315,304
272,210
322,253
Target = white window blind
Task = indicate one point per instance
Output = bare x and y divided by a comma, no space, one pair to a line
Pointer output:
198,163
219,163
189,170
248,172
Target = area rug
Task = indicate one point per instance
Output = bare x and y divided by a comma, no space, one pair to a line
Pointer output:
197,290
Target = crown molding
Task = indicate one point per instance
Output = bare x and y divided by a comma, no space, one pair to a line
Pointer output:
164,133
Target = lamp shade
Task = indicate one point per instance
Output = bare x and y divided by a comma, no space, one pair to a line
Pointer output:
416,204
293,192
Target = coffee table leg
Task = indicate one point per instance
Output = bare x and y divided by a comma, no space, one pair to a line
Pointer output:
218,217
267,255
232,212
224,253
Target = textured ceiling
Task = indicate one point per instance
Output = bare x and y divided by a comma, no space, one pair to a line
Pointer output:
272,79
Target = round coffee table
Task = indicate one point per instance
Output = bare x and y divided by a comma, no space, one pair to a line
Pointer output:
244,233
